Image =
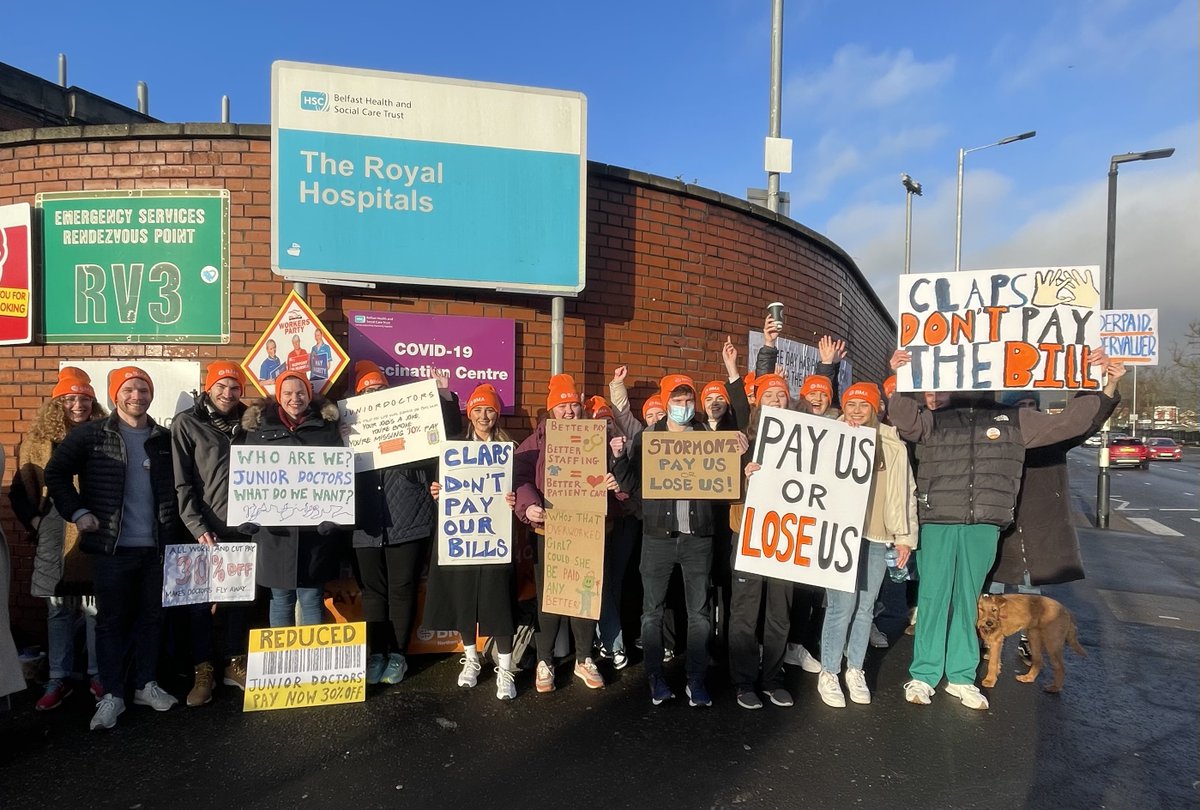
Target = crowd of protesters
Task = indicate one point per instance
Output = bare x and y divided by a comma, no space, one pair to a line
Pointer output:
101,494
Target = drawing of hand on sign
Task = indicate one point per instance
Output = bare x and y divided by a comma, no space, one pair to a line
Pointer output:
1059,286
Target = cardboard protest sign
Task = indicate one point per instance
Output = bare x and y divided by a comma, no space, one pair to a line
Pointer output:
997,330
693,465
290,486
573,576
313,665
395,425
196,574
806,505
1130,335
475,522
295,340
576,464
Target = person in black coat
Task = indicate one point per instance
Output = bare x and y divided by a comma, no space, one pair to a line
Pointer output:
295,562
396,516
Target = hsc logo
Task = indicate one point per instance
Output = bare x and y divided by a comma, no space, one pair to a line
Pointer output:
314,101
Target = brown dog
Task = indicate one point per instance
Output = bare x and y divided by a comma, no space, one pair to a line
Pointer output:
1048,624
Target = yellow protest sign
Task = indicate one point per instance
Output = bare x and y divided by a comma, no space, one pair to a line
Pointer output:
312,665
576,463
574,564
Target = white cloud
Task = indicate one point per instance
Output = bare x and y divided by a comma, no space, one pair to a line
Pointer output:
858,79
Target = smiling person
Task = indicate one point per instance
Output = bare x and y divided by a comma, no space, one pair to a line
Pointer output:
62,573
201,438
125,510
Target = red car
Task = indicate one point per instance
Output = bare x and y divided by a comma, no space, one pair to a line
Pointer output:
1164,450
1128,452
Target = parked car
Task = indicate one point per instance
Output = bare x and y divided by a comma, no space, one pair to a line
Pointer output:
1163,449
1128,452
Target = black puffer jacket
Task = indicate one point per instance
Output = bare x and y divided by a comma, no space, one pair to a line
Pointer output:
96,453
659,517
201,459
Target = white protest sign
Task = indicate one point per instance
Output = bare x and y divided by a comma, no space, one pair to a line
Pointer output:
197,574
395,426
174,382
290,486
474,519
999,330
799,360
1130,335
806,505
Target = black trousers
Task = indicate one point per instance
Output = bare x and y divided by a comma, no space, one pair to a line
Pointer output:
128,587
388,576
753,596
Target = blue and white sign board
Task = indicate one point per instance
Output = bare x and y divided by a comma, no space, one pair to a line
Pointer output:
392,177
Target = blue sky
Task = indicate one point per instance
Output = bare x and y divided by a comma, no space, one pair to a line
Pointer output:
680,89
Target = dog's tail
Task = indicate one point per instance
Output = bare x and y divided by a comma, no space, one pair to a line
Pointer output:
1073,639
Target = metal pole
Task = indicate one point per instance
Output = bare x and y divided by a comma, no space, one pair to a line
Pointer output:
558,315
224,109
1133,429
907,230
143,98
958,213
776,95
1110,250
62,70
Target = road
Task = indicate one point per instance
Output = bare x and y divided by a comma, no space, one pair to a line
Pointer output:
1163,500
1124,733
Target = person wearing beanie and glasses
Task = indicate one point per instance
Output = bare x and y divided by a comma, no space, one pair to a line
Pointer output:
295,562
891,519
477,598
395,521
125,510
201,438
62,573
674,532
562,402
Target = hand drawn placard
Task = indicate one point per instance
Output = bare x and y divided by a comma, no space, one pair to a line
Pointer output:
290,486
995,330
805,507
394,426
475,524
196,574
573,575
691,465
313,665
576,464
1130,335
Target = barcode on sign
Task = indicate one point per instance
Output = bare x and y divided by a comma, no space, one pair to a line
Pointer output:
287,662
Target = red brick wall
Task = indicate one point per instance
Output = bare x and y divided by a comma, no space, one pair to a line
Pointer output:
671,270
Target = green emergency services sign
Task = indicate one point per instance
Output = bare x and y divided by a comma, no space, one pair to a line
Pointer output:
135,266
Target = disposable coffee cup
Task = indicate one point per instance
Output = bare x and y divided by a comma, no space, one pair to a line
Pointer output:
776,311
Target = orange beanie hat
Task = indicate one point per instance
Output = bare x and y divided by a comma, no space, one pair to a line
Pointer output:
367,374
484,396
650,404
816,382
889,386
562,390
292,375
597,408
672,381
222,369
715,387
868,392
118,376
72,380
769,382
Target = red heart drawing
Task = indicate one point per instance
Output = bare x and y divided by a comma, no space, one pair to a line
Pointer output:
595,480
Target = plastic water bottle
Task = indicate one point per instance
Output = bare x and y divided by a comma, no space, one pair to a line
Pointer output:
892,558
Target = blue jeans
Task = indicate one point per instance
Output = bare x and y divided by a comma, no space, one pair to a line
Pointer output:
283,606
853,611
62,616
618,548
659,556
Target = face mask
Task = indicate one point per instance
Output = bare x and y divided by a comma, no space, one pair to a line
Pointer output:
681,414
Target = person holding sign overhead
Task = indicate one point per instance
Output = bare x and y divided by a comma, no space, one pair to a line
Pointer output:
970,457
396,520
891,520
294,562
477,598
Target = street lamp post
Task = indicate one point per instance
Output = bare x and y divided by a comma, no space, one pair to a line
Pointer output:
1110,251
776,96
962,153
911,187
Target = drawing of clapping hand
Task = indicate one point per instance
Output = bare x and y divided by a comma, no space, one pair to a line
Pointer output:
1057,286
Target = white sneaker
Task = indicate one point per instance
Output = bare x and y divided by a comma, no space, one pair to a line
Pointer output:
918,692
969,694
830,690
470,672
154,696
797,656
107,710
506,684
856,685
878,639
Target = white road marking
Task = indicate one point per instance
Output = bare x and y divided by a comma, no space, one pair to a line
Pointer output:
1178,509
1154,527
1196,519
1172,618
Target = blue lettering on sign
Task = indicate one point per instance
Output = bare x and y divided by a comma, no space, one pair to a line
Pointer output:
314,101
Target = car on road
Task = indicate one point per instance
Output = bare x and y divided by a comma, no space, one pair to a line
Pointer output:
1127,451
1164,449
